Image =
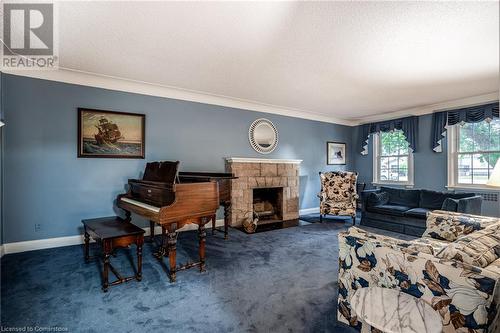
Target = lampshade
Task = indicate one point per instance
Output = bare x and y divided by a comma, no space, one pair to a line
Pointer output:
1,123
495,176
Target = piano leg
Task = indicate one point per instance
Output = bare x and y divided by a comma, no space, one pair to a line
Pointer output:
151,232
128,216
201,246
87,247
213,227
172,251
105,274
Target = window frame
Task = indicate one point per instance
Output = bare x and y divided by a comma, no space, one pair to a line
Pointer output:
453,142
376,165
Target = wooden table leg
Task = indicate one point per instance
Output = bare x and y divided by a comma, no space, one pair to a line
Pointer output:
227,211
87,247
201,246
140,241
105,274
172,251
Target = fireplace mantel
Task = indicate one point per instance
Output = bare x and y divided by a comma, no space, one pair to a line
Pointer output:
261,160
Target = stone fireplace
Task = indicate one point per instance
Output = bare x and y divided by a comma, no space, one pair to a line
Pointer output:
269,187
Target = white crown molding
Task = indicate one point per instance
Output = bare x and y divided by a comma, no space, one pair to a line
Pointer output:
71,76
427,109
48,243
261,160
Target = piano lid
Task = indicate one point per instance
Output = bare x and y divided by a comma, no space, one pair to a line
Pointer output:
206,175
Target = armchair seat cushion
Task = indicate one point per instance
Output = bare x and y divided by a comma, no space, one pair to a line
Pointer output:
420,213
394,210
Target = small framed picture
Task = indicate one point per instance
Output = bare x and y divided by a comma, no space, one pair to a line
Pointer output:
335,153
110,134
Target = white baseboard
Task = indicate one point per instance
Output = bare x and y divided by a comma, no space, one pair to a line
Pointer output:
309,211
48,243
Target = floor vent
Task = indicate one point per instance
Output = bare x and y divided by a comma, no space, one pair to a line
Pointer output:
490,196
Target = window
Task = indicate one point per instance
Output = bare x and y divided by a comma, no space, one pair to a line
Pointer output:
474,150
393,160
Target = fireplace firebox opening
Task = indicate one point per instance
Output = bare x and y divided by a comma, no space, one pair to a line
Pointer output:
268,204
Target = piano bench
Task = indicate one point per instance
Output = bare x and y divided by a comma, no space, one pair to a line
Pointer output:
112,233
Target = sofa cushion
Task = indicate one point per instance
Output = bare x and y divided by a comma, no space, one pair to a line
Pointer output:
449,226
450,204
480,248
432,199
402,197
420,213
395,210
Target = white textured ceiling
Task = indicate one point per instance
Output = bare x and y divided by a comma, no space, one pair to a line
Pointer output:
341,59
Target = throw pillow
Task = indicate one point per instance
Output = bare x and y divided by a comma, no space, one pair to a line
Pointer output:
450,225
480,248
377,199
450,204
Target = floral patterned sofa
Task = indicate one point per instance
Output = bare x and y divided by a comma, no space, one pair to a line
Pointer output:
455,267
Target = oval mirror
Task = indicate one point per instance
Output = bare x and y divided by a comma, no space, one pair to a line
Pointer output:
263,136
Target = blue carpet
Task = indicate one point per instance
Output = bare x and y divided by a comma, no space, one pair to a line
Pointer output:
277,281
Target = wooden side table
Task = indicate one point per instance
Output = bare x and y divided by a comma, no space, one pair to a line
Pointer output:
113,232
393,311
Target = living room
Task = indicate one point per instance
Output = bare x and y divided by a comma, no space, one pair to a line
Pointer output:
250,166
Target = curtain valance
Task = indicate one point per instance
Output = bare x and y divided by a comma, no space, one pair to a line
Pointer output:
473,114
409,126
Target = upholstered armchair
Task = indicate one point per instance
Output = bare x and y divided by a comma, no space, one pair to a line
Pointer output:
338,194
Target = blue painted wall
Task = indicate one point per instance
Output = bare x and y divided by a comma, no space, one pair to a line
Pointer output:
430,167
46,183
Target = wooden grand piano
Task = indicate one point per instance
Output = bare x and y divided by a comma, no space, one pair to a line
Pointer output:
162,199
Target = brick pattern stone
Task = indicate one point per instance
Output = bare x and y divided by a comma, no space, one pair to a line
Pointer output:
262,175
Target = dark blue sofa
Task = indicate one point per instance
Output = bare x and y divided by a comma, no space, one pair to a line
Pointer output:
405,211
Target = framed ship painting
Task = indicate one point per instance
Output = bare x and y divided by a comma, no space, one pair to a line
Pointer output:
110,134
335,152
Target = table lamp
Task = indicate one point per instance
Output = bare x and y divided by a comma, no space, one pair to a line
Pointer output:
495,176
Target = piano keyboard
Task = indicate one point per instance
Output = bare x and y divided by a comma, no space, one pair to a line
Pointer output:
141,204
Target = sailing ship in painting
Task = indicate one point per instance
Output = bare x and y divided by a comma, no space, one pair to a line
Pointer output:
108,132
111,134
